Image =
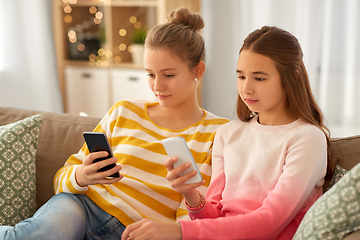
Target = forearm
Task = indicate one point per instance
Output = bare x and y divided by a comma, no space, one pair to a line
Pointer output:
65,181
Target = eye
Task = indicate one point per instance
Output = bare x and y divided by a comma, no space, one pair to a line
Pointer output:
169,75
150,75
259,79
241,77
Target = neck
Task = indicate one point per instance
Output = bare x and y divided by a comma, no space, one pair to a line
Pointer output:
275,120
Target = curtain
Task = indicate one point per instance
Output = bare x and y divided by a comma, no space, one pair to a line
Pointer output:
28,73
328,31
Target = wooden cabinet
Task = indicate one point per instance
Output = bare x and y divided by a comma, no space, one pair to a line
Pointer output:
87,90
96,35
124,79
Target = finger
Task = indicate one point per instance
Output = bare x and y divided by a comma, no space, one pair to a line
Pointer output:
89,159
169,163
108,181
180,169
129,229
105,162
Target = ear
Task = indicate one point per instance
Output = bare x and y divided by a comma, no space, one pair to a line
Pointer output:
199,70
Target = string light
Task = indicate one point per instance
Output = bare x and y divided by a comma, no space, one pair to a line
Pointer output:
133,19
73,40
97,20
81,47
117,59
122,32
101,52
68,19
99,15
137,24
92,57
92,9
122,47
108,53
71,34
67,9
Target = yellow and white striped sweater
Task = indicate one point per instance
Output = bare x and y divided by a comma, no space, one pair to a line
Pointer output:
135,140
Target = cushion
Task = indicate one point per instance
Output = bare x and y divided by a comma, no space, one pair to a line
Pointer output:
336,213
18,143
338,174
60,136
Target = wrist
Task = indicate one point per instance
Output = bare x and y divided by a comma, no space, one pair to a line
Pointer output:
77,178
193,198
198,207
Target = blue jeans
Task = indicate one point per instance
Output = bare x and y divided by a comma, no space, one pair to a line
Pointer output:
66,216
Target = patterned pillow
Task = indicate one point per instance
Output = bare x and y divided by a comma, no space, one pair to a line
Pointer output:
18,143
338,174
336,213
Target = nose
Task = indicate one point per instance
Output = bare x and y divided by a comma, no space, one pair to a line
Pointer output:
246,86
158,84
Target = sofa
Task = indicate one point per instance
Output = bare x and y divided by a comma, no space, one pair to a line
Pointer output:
60,135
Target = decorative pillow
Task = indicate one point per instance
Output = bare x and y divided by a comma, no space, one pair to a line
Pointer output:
336,213
18,143
338,174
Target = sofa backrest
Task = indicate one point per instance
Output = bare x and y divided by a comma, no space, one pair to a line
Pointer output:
61,136
347,151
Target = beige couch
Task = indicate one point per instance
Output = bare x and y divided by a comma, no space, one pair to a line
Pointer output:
61,135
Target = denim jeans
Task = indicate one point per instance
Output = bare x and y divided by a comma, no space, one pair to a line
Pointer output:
66,216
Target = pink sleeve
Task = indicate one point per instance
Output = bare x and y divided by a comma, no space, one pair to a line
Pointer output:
213,206
297,189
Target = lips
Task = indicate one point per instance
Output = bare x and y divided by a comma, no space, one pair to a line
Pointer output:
250,101
162,96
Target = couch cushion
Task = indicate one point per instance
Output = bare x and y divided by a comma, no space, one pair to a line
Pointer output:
336,213
18,143
60,136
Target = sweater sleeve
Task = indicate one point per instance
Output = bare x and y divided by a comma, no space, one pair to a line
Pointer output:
297,188
64,180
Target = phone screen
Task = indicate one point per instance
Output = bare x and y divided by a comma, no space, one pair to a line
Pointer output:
96,142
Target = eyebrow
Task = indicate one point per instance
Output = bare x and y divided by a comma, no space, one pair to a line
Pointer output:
255,73
162,70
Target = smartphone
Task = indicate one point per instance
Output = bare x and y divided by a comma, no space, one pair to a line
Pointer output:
96,142
177,147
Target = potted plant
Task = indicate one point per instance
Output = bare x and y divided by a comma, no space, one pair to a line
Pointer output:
137,46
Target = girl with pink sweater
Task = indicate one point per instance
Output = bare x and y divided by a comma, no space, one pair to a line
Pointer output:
269,166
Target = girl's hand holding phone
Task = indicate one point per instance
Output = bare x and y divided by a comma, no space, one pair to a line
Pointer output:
178,182
88,173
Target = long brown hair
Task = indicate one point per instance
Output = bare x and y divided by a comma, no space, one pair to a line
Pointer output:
181,35
285,50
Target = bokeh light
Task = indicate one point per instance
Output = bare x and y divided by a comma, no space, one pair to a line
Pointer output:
122,47
92,9
67,9
133,19
68,19
122,32
81,47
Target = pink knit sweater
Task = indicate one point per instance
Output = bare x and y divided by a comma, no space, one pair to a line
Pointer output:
264,180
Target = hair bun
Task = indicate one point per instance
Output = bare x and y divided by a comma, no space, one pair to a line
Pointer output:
185,17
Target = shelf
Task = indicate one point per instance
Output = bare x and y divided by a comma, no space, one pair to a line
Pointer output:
96,35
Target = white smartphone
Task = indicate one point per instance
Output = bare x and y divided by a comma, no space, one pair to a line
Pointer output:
177,147
97,141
